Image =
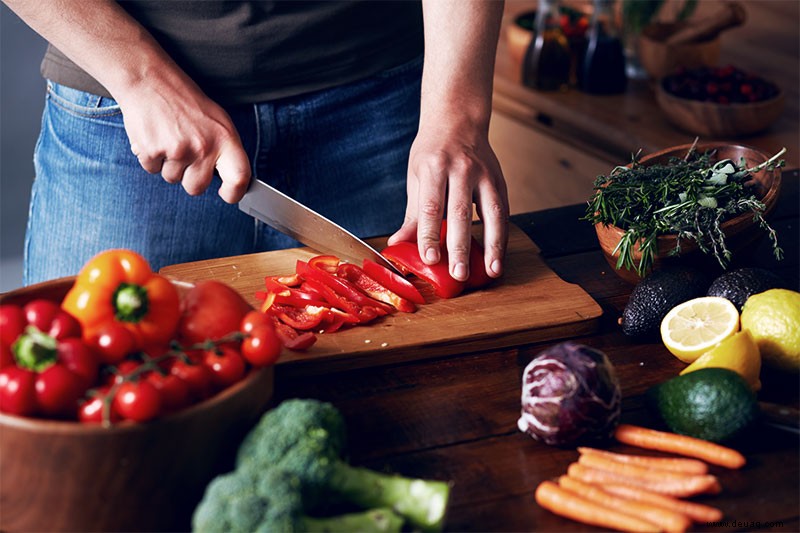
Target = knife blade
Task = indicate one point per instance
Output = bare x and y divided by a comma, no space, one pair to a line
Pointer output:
287,215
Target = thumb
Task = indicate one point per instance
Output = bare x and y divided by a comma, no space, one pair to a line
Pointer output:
233,168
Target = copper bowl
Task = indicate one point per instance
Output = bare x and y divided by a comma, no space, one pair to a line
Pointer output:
69,476
740,231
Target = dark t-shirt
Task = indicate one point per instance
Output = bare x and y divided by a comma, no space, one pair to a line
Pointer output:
252,51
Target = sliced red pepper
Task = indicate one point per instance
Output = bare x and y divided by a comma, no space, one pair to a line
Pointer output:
291,296
302,318
291,338
328,263
340,286
392,281
406,255
373,289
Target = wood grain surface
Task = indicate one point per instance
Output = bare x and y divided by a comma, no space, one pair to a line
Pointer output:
529,304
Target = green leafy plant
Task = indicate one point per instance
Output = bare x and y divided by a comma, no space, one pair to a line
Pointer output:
689,198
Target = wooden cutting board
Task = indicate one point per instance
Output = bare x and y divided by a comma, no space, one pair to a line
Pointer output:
529,304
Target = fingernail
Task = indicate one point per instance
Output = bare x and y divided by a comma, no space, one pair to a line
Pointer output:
431,255
460,271
497,267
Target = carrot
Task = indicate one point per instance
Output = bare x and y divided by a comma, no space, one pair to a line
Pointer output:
630,469
667,520
696,511
680,444
569,505
678,486
673,464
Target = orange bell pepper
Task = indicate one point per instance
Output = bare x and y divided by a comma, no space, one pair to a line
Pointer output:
119,286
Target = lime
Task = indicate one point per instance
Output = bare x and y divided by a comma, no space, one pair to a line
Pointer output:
692,328
739,353
773,318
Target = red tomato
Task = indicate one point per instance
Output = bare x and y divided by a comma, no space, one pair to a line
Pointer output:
175,393
58,390
211,310
392,281
137,400
226,364
91,411
406,255
17,391
12,323
48,317
122,370
197,376
262,346
254,319
112,342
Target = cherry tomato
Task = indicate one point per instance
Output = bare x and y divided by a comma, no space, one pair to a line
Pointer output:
112,342
91,411
12,323
226,364
122,370
17,391
197,376
262,346
58,390
175,393
211,310
137,400
254,319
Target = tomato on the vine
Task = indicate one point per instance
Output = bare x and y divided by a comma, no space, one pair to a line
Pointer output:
112,342
197,376
175,393
226,364
138,400
91,411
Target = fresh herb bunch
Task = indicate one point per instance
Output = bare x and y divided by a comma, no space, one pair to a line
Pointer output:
689,197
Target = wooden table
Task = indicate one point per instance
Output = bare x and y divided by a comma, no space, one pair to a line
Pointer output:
455,418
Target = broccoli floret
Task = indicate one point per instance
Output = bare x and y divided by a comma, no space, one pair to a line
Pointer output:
306,438
247,501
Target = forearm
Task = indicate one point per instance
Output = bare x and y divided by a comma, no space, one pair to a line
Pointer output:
101,38
460,46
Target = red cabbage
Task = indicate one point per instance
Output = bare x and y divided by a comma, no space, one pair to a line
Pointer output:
570,395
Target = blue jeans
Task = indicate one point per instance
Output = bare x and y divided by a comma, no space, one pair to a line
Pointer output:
342,151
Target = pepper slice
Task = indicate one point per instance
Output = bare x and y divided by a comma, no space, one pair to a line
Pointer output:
394,282
118,285
373,289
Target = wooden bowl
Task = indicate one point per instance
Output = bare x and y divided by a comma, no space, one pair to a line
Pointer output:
710,119
68,476
660,59
740,231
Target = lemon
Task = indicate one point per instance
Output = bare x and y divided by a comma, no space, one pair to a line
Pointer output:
739,353
693,327
773,318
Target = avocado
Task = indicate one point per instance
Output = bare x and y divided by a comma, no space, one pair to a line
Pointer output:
713,404
656,294
738,285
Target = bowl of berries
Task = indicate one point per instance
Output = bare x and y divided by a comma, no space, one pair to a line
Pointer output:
121,394
719,101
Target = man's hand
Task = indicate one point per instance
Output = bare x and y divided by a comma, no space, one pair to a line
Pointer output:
185,138
451,165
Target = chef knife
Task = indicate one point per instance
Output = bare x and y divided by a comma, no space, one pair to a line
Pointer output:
287,215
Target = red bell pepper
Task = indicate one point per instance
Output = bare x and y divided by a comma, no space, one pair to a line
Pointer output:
405,255
51,368
392,281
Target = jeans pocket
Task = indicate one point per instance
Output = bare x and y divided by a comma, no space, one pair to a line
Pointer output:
81,103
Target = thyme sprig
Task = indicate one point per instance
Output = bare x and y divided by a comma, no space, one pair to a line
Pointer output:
689,198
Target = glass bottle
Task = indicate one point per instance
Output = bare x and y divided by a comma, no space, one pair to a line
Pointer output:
546,66
603,67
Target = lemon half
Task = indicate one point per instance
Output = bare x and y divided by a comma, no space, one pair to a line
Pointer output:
739,353
692,328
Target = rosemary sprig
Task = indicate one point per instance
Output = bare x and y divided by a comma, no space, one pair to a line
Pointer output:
689,198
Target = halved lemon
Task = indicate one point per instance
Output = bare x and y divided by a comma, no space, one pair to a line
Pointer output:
739,353
692,328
